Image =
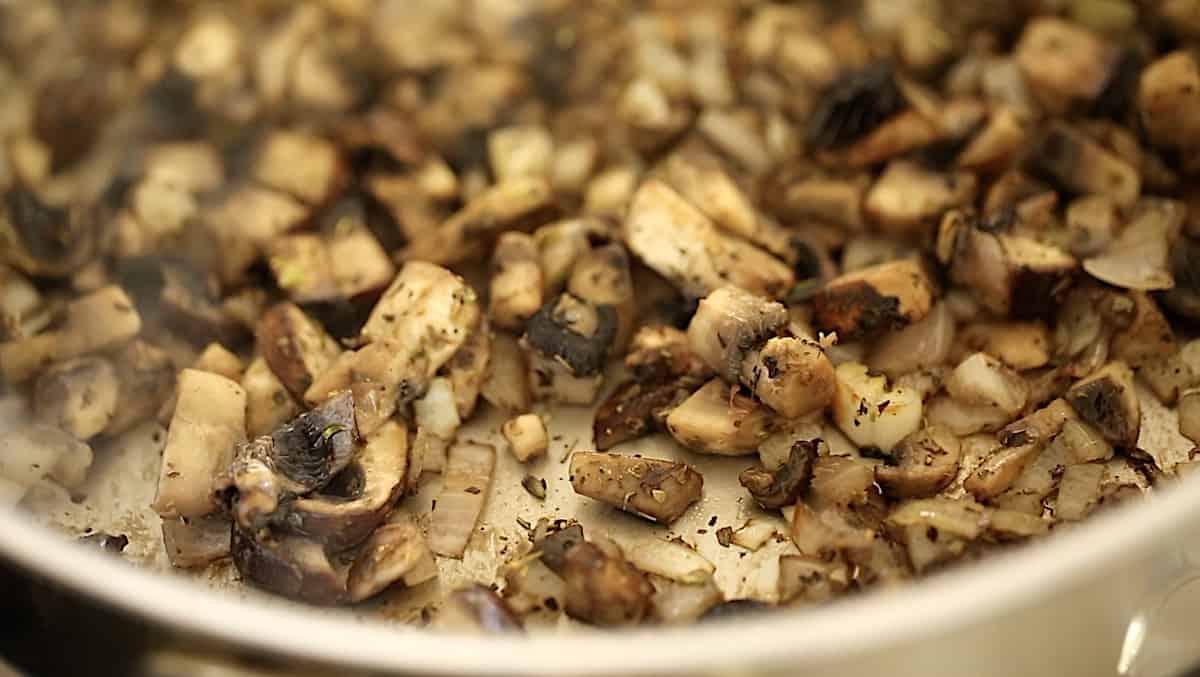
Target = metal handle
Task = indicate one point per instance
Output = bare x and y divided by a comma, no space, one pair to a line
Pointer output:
1160,640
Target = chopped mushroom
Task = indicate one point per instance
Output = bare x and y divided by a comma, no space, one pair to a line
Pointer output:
716,419
638,408
1020,345
289,566
602,277
34,451
526,436
506,384
652,488
782,486
907,196
1107,400
295,347
728,324
516,287
1063,62
869,413
1138,257
1083,166
1021,441
268,403
79,396
45,240
395,552
469,369
982,380
1168,94
869,301
925,463
603,588
567,342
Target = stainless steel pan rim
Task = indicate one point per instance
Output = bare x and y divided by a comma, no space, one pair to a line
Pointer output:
969,595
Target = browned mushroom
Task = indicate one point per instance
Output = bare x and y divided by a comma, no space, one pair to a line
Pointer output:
782,486
517,285
289,566
637,408
80,396
730,323
1107,400
567,342
869,301
716,419
602,277
652,488
395,552
45,240
295,346
603,588
925,463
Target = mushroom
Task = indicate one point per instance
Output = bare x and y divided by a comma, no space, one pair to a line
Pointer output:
295,347
603,588
1148,338
244,221
854,105
1167,97
560,245
100,321
638,408
655,489
921,345
982,380
195,542
146,376
526,436
1021,443
718,420
395,551
1084,166
1138,258
907,196
602,277
33,451
1019,345
347,509
268,403
1107,400
1010,275
80,396
469,367
289,566
468,477
516,286
567,342
217,359
701,180
923,464
520,151
43,240
791,375
304,166
506,384
679,242
297,458
1184,297
729,323
871,414
1063,62
866,302
670,559
209,422
478,608
659,352
782,486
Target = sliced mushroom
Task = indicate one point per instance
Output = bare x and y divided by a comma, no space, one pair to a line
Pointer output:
568,342
1009,274
655,489
1021,443
147,378
1149,336
782,486
1138,258
395,552
209,422
297,458
44,240
659,352
478,609
730,323
245,220
520,151
268,403
196,542
80,396
866,302
517,285
288,566
700,179
602,277
603,588
1108,401
718,420
925,463
348,508
680,243
295,347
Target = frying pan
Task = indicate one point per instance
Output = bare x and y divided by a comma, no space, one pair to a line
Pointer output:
1116,595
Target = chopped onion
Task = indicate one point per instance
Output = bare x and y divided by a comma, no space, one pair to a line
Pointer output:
674,560
468,476
1078,491
963,419
961,517
922,344
755,533
774,451
983,380
1083,443
676,602
1138,257
869,413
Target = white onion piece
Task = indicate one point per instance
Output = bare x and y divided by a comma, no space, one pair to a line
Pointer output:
983,380
869,413
1082,443
1078,491
1137,258
468,476
961,517
34,451
754,534
674,560
917,346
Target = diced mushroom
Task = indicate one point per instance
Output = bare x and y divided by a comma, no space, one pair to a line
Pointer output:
80,396
730,323
602,277
45,240
299,457
835,200
295,347
217,359
828,532
288,566
1082,443
907,196
922,344
560,245
31,452
469,368
395,552
1009,274
468,478
1064,63
784,485
305,166
680,243
1107,400
478,609
1149,336
866,302
603,588
516,287
638,408
526,436
997,143
268,403
854,105
1167,98
209,422
983,380
428,307
660,352
245,220
1022,440
925,463
870,414
1020,345
520,151
98,322
718,420
506,385
567,342
1083,166
700,179
147,380
1092,220
655,489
